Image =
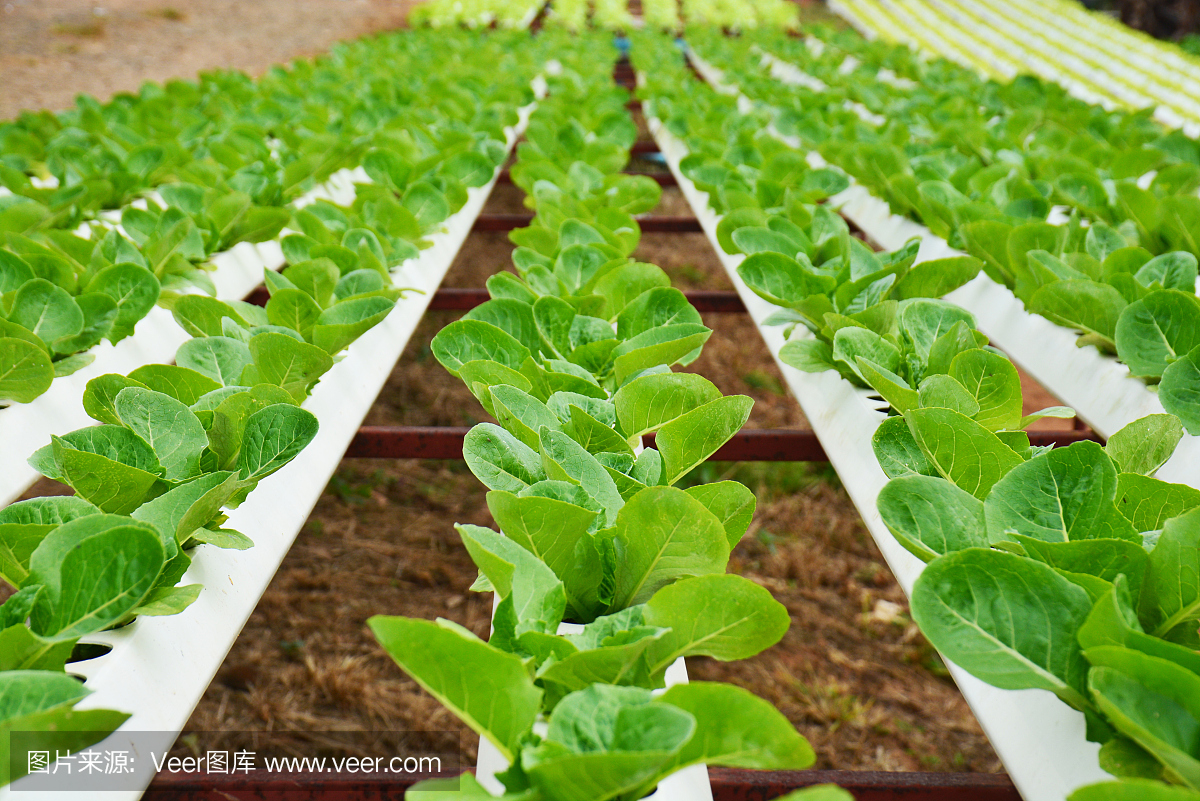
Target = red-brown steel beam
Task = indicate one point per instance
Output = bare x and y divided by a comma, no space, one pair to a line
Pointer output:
748,445
704,300
766,445
727,785
651,223
407,442
753,785
447,299
661,178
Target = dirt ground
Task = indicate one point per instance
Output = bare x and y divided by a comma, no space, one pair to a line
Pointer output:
52,50
853,673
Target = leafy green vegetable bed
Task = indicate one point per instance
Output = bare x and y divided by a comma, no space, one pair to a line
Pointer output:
1071,570
419,148
1108,398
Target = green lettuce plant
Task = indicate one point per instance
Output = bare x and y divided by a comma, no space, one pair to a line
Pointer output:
1081,544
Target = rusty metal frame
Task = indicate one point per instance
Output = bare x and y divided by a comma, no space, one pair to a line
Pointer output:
748,445
703,300
864,785
661,178
727,785
465,299
651,223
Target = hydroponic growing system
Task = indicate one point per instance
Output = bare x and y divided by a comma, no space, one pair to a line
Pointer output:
204,287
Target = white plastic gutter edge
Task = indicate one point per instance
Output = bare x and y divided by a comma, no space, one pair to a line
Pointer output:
868,32
1040,739
986,63
1158,59
159,667
1150,78
1137,89
928,20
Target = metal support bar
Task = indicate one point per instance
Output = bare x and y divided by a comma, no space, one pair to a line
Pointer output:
727,785
407,442
661,178
748,445
446,299
703,300
864,785
653,224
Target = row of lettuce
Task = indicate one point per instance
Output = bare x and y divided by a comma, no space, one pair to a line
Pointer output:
476,14
1060,41
987,166
572,357
1067,569
608,15
108,209
177,445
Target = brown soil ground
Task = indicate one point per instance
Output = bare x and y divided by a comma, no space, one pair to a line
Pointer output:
853,673
52,50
